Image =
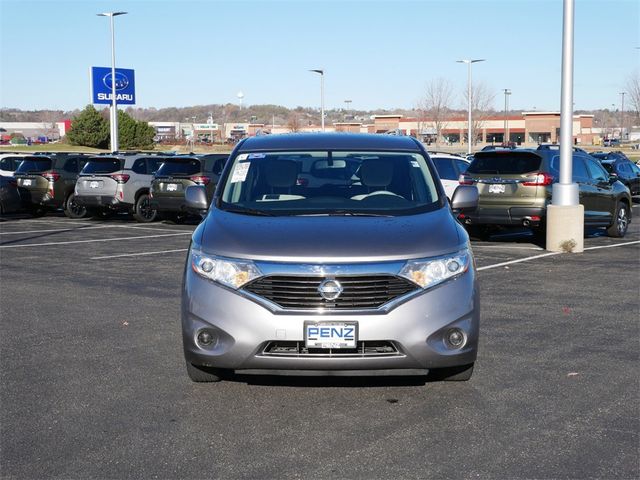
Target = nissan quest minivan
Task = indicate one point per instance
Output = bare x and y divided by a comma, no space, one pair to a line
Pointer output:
361,270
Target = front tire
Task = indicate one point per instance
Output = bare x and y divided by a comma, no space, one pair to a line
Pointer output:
202,374
618,228
142,211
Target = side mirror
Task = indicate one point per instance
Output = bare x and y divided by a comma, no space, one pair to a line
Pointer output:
613,177
196,199
465,199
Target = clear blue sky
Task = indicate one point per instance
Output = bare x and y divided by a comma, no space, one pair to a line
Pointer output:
380,54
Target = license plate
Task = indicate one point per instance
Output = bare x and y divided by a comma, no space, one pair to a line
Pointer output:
172,187
94,184
496,188
331,334
26,183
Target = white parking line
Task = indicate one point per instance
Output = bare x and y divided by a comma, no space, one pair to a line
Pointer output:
139,254
133,227
502,247
91,241
526,259
52,230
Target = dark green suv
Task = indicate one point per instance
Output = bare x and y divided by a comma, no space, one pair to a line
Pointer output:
515,189
179,172
46,182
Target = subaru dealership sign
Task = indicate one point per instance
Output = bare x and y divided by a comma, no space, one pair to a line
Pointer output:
101,85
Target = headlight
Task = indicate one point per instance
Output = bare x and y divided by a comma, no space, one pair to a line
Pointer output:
432,271
228,272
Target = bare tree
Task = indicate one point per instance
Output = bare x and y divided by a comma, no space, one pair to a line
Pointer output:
293,123
435,105
633,89
481,105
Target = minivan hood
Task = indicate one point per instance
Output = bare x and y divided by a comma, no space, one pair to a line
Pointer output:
330,239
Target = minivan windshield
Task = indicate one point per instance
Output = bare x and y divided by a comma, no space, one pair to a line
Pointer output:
329,183
102,165
34,165
179,167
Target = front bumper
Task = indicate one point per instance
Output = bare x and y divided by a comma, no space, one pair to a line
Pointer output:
243,328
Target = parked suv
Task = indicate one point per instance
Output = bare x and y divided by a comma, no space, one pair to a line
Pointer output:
617,163
374,276
115,183
9,163
515,189
449,168
46,182
179,172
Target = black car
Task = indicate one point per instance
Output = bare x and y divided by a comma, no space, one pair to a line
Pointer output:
9,196
627,172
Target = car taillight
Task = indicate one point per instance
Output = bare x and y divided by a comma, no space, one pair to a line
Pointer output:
302,182
200,179
120,177
51,176
465,179
540,180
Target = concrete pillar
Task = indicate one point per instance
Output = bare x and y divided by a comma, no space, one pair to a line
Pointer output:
565,228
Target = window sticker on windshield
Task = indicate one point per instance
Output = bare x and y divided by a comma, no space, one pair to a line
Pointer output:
256,155
242,156
415,164
240,172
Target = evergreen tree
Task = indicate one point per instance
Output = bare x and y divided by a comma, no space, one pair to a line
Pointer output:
89,129
133,134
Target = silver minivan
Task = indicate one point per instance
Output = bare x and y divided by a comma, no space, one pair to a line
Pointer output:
361,270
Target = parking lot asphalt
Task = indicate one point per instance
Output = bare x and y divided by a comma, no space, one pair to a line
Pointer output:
93,383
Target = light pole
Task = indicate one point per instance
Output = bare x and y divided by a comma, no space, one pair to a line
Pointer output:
321,72
622,116
348,104
114,107
469,127
506,139
565,215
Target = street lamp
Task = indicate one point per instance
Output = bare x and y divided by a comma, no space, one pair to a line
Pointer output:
114,111
622,116
469,128
507,92
348,104
321,73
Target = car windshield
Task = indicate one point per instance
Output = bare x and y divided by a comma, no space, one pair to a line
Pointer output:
505,163
34,165
179,167
329,183
102,165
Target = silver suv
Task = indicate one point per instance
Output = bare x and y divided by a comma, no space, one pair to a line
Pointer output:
369,276
113,183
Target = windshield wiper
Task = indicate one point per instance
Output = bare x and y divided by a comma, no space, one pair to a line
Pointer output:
249,211
344,213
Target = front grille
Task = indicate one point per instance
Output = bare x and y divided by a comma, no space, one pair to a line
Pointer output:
298,349
359,292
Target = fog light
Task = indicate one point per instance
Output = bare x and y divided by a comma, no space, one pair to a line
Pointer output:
205,338
456,338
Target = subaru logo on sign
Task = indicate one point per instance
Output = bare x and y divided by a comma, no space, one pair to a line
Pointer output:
101,86
122,81
330,289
